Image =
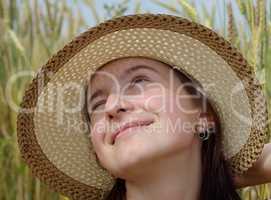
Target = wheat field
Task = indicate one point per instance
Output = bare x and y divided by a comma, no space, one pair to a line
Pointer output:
33,30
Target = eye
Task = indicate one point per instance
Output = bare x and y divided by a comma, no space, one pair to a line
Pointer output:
98,104
138,79
134,81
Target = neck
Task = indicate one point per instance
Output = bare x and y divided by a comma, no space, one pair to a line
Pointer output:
177,178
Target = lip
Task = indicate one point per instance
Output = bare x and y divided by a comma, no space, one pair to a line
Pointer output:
130,125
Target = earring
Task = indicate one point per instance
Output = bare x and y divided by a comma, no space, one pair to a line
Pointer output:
204,135
204,121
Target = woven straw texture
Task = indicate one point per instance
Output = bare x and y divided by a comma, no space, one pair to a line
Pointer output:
55,144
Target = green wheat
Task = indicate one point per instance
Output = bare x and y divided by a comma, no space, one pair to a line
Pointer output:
33,30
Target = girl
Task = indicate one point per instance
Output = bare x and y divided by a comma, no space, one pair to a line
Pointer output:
151,162
147,106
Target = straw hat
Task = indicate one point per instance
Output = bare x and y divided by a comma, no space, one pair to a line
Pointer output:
52,132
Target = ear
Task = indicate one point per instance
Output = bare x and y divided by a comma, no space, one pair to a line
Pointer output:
205,121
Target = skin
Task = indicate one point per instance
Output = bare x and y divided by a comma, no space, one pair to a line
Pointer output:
157,161
148,159
259,173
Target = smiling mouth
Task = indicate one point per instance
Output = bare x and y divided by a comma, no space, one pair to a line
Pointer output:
126,130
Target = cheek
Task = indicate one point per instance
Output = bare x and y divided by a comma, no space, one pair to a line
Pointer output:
102,153
155,101
176,121
167,108
97,135
162,101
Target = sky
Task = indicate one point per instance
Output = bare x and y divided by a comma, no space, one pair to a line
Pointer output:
150,6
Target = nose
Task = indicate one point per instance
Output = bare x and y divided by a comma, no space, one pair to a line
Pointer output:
116,106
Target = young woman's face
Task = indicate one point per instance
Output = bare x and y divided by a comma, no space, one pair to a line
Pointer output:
148,96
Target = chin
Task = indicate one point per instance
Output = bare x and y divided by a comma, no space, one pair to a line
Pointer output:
139,160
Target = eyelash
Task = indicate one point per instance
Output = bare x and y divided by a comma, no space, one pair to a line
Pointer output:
134,80
138,78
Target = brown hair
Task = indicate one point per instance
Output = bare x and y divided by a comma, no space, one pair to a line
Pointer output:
217,182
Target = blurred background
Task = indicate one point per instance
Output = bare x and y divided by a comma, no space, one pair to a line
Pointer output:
33,30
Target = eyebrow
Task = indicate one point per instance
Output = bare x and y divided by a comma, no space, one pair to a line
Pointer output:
122,76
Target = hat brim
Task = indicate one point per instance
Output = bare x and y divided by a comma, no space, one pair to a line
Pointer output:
54,142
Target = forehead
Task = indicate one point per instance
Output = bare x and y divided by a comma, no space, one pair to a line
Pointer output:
120,69
116,68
